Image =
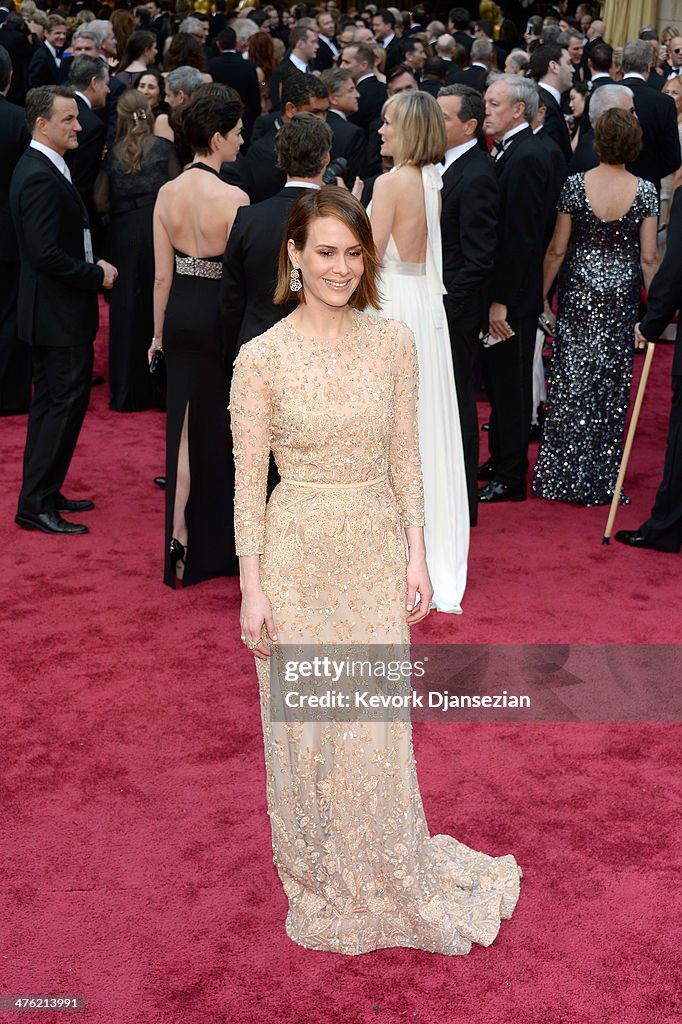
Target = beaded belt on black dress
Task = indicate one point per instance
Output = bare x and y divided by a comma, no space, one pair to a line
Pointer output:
191,266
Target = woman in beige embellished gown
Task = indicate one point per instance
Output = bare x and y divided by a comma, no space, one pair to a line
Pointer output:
333,393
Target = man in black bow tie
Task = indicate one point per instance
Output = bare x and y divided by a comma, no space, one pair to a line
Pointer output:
524,173
46,63
58,314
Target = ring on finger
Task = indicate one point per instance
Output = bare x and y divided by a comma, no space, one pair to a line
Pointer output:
253,645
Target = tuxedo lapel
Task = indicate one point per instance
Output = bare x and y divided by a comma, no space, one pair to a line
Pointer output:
62,179
512,145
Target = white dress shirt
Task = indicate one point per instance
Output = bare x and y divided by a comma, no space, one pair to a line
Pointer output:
454,154
56,158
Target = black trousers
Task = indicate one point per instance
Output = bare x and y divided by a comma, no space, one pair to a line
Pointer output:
61,379
509,377
664,527
464,327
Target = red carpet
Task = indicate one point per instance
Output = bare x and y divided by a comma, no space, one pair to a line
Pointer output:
135,854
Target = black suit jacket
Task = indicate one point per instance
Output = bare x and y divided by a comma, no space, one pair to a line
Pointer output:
660,139
474,76
42,69
393,54
373,95
250,269
20,48
266,124
524,173
231,69
325,56
14,139
257,172
555,125
465,40
665,292
470,201
584,155
287,67
57,288
85,162
349,142
559,175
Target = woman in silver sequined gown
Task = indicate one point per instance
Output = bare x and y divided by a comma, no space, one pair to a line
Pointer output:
606,258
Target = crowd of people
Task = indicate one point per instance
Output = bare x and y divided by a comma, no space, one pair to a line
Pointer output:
349,223
506,172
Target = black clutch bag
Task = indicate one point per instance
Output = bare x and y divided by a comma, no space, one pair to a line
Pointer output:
157,369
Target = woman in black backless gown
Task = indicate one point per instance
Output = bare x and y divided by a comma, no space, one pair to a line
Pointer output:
192,221
134,170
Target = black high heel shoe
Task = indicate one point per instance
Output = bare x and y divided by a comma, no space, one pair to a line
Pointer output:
178,553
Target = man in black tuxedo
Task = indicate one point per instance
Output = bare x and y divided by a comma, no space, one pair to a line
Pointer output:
89,78
15,361
251,259
58,313
469,200
20,44
257,173
45,67
600,65
383,25
303,48
159,22
524,172
350,142
476,75
360,60
459,25
328,50
662,531
657,115
550,66
231,69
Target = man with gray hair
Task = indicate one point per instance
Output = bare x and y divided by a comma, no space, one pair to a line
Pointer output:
524,174
657,115
476,75
180,84
194,27
606,97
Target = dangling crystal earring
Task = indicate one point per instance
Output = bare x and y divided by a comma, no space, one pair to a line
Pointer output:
295,280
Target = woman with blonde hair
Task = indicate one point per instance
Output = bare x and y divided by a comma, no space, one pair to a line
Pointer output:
133,171
337,558
405,215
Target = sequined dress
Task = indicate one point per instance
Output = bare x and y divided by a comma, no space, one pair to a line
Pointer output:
589,385
350,840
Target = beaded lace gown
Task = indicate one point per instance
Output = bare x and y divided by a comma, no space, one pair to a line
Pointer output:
413,293
350,840
589,384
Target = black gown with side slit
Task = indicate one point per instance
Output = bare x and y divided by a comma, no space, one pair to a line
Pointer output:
198,385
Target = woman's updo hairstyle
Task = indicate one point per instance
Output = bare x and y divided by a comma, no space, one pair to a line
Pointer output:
207,113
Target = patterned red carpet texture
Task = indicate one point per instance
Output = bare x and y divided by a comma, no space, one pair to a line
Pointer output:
135,861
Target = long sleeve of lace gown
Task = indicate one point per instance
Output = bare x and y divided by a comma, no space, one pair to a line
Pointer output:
250,418
403,459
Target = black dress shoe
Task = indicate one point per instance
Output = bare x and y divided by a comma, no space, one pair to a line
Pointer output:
48,522
635,539
496,491
73,504
535,432
160,481
96,380
486,470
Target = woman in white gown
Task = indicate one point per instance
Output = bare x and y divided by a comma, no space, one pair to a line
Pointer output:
405,216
